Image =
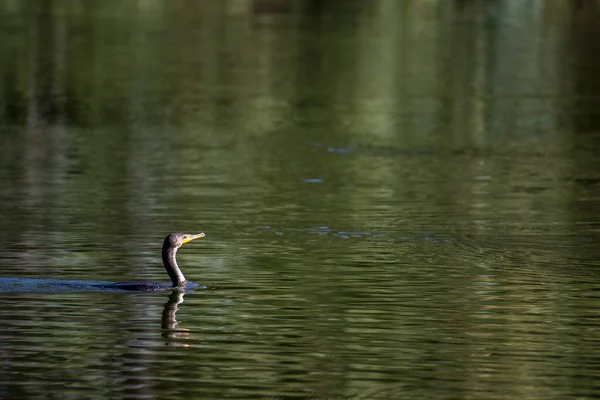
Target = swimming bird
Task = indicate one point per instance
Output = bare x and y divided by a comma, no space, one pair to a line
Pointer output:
169,249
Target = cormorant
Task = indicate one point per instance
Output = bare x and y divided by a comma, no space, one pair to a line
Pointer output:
169,249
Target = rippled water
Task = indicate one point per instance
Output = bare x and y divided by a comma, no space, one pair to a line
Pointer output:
399,201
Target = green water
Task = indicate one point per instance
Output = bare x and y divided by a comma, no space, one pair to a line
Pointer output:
400,199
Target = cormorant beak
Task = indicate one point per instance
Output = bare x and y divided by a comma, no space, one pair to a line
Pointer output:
188,238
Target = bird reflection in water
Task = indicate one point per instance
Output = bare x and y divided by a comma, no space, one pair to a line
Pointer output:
171,333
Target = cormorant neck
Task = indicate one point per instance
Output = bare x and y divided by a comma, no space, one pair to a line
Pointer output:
170,263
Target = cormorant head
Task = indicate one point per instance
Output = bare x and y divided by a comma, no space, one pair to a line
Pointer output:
176,240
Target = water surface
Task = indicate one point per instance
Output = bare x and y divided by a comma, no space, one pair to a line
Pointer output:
400,199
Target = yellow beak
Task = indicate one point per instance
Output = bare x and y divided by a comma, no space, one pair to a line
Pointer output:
190,237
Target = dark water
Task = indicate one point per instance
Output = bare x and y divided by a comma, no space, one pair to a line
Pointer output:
401,199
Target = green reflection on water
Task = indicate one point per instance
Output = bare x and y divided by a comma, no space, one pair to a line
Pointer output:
400,198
